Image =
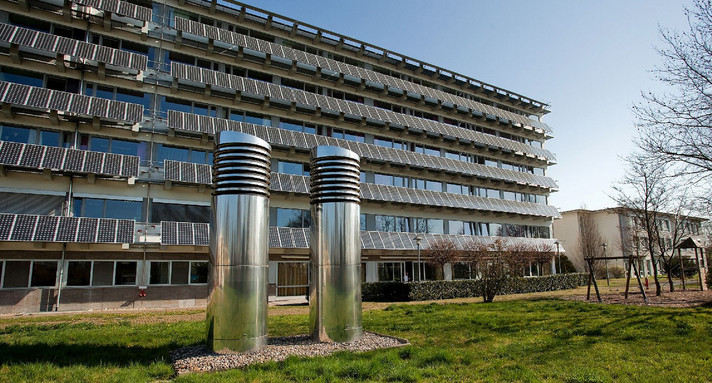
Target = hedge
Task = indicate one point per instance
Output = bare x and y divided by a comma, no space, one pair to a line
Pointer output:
464,288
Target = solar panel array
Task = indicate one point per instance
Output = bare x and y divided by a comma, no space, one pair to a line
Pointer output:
285,237
287,138
45,228
202,76
40,157
187,172
279,182
42,98
237,39
63,45
185,233
123,8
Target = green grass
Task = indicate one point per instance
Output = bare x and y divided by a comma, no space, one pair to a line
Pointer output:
535,340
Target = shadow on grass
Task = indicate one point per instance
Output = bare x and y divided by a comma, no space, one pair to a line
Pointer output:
81,354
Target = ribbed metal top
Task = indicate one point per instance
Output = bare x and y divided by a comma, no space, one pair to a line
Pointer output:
335,175
241,164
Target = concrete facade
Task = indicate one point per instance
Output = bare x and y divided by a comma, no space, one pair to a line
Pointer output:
106,136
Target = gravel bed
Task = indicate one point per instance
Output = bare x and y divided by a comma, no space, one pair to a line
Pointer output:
200,359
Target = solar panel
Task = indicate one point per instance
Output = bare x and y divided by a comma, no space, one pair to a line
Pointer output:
87,229
185,233
125,231
201,234
46,228
74,160
41,98
106,231
53,158
93,162
24,227
112,164
6,223
10,153
67,229
169,233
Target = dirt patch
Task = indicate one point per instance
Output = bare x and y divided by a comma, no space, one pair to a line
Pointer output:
668,299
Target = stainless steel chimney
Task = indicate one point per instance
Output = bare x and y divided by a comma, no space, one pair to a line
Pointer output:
237,301
335,289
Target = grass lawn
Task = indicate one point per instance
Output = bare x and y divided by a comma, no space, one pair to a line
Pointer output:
515,340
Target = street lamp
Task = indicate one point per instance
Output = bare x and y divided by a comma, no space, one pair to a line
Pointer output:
605,259
558,255
417,240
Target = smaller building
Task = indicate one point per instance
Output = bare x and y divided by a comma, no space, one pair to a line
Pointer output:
622,233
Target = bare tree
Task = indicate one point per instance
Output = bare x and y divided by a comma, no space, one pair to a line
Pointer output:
644,192
589,240
473,254
676,125
439,253
542,253
517,255
669,232
494,271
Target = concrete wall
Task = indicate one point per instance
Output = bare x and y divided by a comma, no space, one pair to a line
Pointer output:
107,298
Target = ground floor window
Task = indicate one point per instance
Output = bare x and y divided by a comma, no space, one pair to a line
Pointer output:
462,271
18,274
178,272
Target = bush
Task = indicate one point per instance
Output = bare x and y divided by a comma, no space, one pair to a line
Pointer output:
466,288
709,279
616,272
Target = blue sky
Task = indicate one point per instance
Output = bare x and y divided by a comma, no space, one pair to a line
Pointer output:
588,60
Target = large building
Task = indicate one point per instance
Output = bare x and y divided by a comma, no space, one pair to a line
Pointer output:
109,109
622,232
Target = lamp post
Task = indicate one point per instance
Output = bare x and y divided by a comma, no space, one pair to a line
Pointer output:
605,260
558,255
417,239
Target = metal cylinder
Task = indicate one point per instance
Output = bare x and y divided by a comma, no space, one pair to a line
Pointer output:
239,246
335,288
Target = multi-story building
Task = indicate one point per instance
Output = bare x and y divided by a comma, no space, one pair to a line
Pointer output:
622,232
109,108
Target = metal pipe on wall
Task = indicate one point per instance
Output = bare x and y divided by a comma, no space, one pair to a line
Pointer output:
335,288
237,300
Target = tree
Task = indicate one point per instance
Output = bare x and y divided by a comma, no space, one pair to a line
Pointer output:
644,193
676,126
669,232
542,253
439,253
494,271
473,254
590,240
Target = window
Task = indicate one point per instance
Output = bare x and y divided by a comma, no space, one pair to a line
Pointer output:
179,212
118,94
44,273
296,168
160,273
347,135
114,145
170,103
125,273
17,274
79,273
103,273
461,271
249,117
164,152
22,77
390,271
198,272
179,273
20,203
297,126
108,208
291,217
